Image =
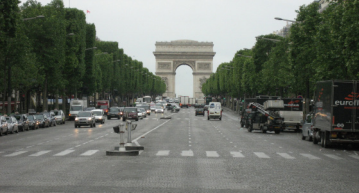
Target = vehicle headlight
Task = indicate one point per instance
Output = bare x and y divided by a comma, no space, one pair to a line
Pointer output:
89,119
76,119
100,118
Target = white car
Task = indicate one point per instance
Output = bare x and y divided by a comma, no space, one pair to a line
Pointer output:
99,115
139,113
159,109
214,111
144,112
59,116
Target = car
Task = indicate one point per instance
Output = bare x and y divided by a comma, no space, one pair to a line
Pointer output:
175,108
51,118
206,107
23,123
153,106
199,111
59,115
144,112
130,113
214,111
85,118
307,124
159,109
114,112
104,108
12,124
139,113
99,115
145,106
3,126
44,121
33,123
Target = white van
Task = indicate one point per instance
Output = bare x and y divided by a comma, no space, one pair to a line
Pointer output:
214,110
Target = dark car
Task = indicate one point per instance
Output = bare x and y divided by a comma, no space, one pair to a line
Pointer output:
130,113
23,123
114,112
43,120
85,118
33,123
51,117
200,111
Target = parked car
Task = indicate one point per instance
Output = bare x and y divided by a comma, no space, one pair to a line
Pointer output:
130,113
307,124
85,118
12,124
139,114
121,110
33,122
3,126
99,115
59,115
23,123
43,120
51,118
114,112
159,109
199,111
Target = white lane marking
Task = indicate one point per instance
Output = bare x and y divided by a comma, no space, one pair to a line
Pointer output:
64,152
187,153
149,131
212,154
40,153
236,154
286,156
333,156
89,152
77,145
163,153
354,156
15,154
28,146
39,143
261,155
309,156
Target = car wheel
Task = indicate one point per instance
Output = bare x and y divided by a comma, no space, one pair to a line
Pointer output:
208,118
118,117
94,124
137,119
75,126
250,128
303,137
1,132
17,130
315,139
220,118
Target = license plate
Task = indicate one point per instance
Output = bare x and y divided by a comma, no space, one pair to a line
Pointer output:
277,127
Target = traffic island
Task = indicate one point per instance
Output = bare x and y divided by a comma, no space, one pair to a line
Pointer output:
166,117
122,150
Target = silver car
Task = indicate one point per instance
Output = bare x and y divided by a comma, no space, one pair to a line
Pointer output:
144,112
13,126
99,115
85,118
159,109
307,131
59,116
3,126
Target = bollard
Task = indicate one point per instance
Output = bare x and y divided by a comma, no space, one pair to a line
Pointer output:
122,140
122,150
129,128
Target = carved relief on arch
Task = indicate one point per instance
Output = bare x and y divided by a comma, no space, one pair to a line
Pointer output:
192,64
164,65
204,66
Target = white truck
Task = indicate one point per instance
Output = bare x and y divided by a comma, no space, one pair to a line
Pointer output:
292,113
75,107
184,101
200,102
192,101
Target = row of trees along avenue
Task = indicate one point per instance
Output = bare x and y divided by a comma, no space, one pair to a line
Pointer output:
320,46
51,51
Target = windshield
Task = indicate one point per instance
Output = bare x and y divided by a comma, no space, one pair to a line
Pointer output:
9,120
39,117
133,110
114,109
97,112
103,107
30,118
158,107
84,114
76,108
56,112
17,117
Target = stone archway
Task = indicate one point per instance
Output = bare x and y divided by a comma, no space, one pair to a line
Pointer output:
196,55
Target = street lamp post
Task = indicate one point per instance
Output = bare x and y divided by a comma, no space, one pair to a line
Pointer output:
278,18
37,17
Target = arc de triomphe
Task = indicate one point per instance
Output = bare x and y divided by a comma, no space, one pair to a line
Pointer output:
171,55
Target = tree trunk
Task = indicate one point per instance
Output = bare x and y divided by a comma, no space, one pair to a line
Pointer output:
44,96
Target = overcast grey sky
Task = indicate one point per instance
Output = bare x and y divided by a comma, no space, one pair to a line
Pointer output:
230,24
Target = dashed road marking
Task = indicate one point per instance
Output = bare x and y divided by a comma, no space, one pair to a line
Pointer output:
236,154
354,156
286,156
187,153
333,156
89,152
212,154
40,153
309,156
163,153
64,152
261,155
15,154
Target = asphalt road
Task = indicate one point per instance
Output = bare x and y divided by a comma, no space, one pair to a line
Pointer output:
187,153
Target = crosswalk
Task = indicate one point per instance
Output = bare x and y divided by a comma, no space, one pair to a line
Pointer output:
186,153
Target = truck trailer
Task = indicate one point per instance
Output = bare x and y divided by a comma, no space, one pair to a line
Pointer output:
336,112
184,101
75,107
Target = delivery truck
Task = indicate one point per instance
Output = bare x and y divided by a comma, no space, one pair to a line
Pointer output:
292,113
75,107
336,112
184,101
